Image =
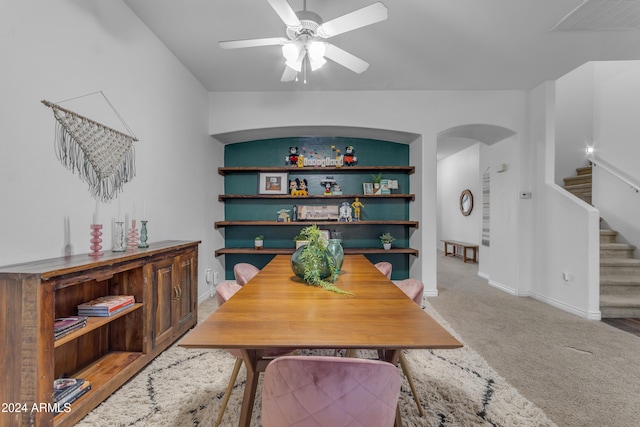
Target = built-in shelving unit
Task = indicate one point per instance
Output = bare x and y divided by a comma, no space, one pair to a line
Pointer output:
249,214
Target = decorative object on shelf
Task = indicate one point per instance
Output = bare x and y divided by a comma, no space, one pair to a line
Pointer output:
327,183
294,213
317,213
336,190
313,263
345,212
335,234
350,158
96,240
68,247
298,187
376,182
119,241
335,249
132,238
103,157
386,239
258,242
466,202
367,188
384,186
273,183
292,157
283,215
357,205
143,235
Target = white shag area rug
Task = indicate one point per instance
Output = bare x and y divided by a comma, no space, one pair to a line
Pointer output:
183,388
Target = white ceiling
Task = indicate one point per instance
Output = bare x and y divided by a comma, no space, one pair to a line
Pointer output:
423,45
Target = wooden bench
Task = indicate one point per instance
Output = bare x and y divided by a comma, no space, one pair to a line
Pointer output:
460,249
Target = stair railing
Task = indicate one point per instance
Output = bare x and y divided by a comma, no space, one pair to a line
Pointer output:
615,172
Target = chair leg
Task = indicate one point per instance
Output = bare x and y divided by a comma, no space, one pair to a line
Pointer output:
407,373
227,394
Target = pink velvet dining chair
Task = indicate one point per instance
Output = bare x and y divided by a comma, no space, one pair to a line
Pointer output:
224,291
243,272
385,268
414,289
329,391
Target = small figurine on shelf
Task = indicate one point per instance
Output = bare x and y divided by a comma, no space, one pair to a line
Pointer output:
350,156
336,190
292,157
345,212
293,187
283,215
302,187
357,205
327,182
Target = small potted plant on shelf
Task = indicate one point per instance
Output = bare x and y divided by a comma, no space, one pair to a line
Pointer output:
376,182
386,239
258,242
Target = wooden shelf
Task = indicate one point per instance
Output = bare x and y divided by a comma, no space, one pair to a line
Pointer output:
289,251
221,224
223,197
240,169
94,323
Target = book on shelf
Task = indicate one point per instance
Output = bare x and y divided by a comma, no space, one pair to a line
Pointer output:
65,325
68,390
106,306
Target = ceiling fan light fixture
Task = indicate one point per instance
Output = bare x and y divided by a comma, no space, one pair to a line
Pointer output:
316,50
291,51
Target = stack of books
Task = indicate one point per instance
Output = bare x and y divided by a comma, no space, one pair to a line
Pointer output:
65,325
68,390
106,306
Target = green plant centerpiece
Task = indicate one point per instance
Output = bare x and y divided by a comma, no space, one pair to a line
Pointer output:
313,263
386,238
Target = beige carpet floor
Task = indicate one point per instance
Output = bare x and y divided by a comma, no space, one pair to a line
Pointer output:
579,372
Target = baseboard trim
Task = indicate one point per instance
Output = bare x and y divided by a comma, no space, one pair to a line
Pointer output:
590,315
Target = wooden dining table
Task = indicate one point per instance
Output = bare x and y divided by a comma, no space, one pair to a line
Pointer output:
278,310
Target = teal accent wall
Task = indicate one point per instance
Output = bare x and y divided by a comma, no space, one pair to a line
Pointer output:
272,152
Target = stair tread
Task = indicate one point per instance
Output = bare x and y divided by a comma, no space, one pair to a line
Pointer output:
584,170
616,246
619,301
608,232
619,262
620,280
578,187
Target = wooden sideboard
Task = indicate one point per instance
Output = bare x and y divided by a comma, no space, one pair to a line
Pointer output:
108,351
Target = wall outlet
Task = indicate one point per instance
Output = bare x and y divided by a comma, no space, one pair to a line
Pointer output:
216,278
207,276
566,276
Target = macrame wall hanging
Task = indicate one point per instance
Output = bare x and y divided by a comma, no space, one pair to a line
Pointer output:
103,157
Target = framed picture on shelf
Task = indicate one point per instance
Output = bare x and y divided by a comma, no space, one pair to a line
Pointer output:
367,187
273,183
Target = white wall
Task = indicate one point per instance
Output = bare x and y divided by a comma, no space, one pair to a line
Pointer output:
457,173
65,49
420,112
566,229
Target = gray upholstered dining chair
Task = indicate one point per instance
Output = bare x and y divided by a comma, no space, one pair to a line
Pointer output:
329,391
243,272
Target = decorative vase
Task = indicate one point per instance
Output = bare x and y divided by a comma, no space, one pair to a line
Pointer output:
387,246
258,244
143,235
298,267
119,241
96,233
335,249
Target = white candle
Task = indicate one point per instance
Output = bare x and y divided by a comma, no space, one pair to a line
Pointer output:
144,209
95,213
119,210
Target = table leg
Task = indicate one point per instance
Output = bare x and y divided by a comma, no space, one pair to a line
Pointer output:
250,358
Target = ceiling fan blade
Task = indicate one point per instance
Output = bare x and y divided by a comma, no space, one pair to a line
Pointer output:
236,44
284,11
288,75
368,15
345,59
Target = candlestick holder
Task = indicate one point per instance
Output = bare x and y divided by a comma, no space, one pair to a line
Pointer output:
143,235
119,241
96,240
132,239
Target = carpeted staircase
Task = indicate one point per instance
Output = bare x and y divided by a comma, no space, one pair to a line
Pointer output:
619,270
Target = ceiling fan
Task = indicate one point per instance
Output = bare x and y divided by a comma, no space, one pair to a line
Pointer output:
305,46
